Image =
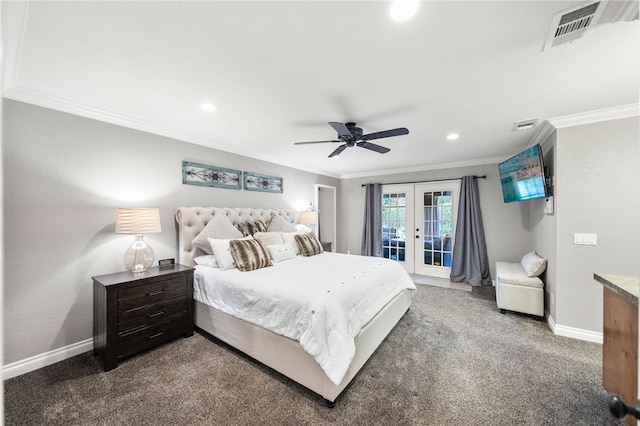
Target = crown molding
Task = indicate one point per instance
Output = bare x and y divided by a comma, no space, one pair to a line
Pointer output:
14,19
33,97
543,133
427,167
606,114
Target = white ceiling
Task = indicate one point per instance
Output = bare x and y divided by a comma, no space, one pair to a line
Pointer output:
279,71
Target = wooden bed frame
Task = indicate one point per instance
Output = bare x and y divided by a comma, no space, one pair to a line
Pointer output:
281,353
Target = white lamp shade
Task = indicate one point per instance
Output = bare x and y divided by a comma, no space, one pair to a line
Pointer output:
138,221
307,218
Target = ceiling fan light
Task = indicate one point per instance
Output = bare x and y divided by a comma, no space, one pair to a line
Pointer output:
402,10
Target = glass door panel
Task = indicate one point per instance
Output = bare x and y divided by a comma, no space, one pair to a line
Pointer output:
397,215
434,229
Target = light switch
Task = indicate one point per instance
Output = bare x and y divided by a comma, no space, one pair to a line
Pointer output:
585,239
548,205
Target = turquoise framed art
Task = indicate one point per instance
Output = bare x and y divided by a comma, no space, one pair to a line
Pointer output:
262,183
213,176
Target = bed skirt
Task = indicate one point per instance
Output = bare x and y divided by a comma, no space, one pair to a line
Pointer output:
286,356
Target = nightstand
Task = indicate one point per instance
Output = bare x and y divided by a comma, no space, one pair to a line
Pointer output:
326,246
136,312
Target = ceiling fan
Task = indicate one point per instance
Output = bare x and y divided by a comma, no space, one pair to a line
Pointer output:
350,135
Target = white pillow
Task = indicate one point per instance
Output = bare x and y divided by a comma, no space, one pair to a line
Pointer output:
280,224
289,237
206,260
222,253
219,227
280,252
268,238
533,264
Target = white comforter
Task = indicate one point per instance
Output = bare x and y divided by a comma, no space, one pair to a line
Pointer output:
322,301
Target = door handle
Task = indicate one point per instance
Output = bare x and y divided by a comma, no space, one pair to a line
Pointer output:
619,409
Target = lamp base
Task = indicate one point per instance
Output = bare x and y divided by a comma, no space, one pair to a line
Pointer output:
138,257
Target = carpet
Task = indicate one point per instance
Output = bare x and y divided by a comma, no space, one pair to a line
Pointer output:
453,359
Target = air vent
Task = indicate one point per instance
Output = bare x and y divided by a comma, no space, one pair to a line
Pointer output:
525,124
573,23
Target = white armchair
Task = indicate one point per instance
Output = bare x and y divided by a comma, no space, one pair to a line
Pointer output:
518,287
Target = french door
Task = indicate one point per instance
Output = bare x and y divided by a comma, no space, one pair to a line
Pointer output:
418,225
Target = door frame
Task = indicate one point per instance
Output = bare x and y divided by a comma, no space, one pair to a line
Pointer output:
325,217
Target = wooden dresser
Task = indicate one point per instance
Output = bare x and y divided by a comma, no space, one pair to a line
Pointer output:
620,338
136,312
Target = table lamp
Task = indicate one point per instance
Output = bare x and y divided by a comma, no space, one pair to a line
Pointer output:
138,221
308,217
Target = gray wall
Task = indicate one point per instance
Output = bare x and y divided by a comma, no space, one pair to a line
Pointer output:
64,177
506,225
543,228
597,185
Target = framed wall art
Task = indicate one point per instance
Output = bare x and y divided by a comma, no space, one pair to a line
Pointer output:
262,183
205,175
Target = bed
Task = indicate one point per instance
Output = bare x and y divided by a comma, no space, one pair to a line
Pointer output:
289,349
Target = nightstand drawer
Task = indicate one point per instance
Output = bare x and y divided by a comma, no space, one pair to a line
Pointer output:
146,294
135,341
151,314
133,312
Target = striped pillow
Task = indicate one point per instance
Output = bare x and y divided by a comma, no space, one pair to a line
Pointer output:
308,244
250,228
249,255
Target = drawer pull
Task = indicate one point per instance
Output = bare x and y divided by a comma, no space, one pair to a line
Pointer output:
157,314
156,293
153,336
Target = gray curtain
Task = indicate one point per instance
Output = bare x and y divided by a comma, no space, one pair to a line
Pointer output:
372,229
470,261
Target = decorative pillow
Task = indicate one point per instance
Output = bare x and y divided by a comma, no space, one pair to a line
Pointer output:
268,238
207,260
533,264
280,252
289,237
250,228
222,253
219,227
309,244
249,254
280,224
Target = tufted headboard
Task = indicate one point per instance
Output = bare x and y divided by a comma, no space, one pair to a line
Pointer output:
190,221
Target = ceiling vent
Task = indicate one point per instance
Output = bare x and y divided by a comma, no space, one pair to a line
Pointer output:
525,124
573,23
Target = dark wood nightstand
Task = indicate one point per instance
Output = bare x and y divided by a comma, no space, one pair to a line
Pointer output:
136,312
326,246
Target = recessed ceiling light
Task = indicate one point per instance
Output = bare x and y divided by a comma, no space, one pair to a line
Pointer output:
453,136
209,107
401,10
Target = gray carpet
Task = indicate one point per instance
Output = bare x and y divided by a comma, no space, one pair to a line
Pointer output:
452,360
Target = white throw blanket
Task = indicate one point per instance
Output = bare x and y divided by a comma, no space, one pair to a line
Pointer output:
322,301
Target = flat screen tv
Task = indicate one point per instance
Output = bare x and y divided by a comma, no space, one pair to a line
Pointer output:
522,176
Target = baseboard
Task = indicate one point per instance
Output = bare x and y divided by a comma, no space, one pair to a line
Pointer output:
38,361
575,333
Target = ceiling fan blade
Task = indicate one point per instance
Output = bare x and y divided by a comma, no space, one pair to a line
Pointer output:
338,150
304,143
341,129
374,147
385,134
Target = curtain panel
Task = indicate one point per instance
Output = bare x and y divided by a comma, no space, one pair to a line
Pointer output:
372,227
470,261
